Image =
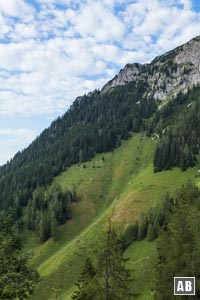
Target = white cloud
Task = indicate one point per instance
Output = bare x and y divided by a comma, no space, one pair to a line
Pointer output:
157,26
98,21
186,3
17,133
63,53
23,31
16,8
13,140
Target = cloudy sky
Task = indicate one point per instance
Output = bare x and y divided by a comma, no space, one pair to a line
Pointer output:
52,51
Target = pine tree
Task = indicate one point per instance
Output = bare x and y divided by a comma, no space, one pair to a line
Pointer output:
53,224
130,235
113,278
85,289
143,226
44,227
178,245
16,278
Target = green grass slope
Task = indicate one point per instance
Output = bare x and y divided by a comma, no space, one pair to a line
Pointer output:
120,185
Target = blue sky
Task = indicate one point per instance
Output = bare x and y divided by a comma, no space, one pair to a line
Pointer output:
53,51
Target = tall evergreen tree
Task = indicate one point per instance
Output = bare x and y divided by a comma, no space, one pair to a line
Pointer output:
16,278
85,283
178,246
111,279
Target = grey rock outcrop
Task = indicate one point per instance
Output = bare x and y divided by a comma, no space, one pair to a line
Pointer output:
167,74
130,72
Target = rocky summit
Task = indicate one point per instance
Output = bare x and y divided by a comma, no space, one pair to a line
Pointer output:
166,75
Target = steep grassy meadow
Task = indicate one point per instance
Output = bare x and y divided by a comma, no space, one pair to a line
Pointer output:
119,185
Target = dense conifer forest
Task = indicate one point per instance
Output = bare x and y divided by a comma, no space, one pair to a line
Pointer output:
94,124
180,140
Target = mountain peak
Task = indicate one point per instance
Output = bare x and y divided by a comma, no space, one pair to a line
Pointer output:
167,74
129,73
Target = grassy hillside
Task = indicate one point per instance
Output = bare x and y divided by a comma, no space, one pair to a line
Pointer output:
120,184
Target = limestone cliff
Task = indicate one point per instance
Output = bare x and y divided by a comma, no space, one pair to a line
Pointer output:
167,74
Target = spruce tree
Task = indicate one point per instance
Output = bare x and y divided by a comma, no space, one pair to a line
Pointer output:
113,278
17,280
178,245
110,279
85,283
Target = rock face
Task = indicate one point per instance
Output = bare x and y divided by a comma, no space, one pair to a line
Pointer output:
129,73
167,74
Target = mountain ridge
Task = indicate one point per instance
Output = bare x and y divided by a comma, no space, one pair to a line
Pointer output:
181,63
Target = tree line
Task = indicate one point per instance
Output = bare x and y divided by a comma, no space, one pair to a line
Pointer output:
47,209
150,224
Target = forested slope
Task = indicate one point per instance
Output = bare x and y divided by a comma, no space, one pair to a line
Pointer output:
94,124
